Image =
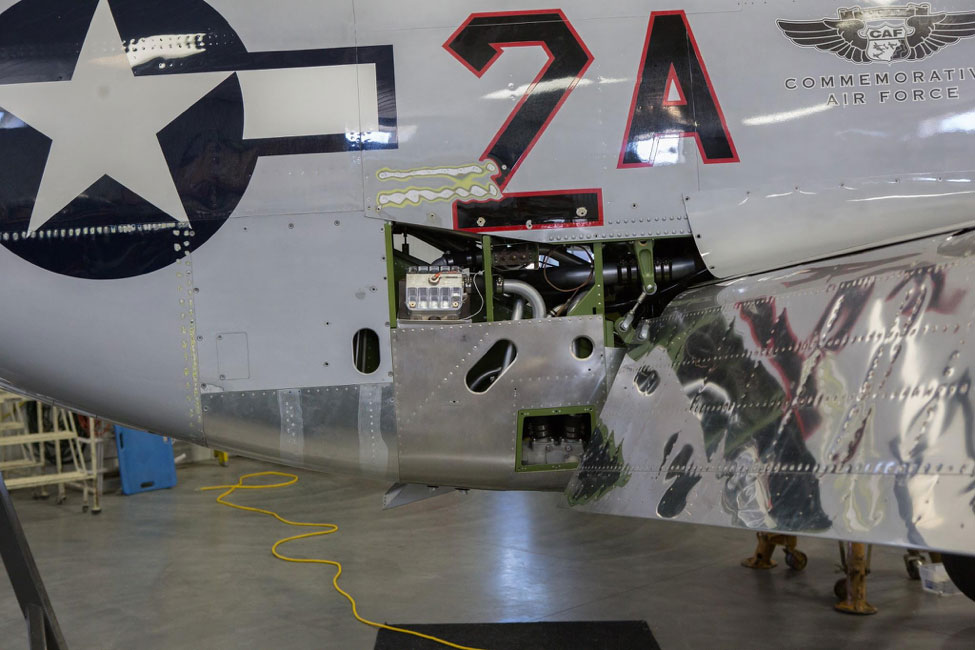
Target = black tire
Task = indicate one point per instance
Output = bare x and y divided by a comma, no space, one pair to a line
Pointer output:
961,570
796,560
839,589
913,568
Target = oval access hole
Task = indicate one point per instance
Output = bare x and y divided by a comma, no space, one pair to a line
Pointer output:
365,351
582,347
492,365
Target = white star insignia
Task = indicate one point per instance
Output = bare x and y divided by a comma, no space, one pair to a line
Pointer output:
104,122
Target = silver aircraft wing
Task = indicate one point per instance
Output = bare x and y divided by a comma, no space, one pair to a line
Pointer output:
832,400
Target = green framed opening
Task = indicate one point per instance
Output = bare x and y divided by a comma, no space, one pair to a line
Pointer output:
566,429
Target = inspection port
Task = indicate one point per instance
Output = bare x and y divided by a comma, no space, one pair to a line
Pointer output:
553,439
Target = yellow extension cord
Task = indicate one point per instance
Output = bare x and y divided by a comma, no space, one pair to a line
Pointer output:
328,530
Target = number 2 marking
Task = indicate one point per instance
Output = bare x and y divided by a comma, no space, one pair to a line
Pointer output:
481,40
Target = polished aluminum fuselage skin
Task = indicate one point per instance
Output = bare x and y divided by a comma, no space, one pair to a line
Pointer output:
244,342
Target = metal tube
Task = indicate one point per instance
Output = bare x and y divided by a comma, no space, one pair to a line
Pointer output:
516,314
529,293
627,321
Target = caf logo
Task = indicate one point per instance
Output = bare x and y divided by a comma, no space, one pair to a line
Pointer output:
123,143
882,34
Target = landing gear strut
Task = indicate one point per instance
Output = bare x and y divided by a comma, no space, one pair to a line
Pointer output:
762,559
852,590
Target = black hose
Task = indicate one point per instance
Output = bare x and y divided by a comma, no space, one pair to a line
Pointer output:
567,278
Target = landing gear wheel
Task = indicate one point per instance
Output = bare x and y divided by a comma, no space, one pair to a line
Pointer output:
913,565
796,560
961,570
839,589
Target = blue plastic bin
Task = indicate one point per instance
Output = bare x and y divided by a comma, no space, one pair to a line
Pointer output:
145,461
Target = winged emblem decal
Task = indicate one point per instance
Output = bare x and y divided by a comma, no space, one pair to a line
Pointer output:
882,34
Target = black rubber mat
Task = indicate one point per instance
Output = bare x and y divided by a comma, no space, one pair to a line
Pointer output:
594,635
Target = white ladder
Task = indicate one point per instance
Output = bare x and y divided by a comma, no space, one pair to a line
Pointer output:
22,458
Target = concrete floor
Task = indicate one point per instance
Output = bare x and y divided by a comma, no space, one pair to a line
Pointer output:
172,569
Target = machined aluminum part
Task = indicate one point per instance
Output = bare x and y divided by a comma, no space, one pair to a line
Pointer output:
831,400
349,429
449,435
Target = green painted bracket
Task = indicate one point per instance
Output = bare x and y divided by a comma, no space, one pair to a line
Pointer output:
594,300
644,261
488,279
391,279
